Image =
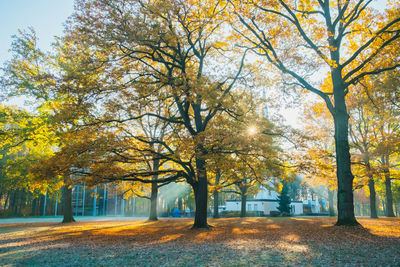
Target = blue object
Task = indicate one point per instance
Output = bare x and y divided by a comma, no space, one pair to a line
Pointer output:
176,213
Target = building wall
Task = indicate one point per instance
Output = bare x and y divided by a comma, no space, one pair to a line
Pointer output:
233,205
297,208
270,206
264,206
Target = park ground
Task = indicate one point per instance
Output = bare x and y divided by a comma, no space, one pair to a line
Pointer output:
230,242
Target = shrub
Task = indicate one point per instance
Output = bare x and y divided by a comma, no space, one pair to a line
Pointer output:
274,213
230,214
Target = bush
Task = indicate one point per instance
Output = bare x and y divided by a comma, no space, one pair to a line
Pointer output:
285,214
274,213
230,214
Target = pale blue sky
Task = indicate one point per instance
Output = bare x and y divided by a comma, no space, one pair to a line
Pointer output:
45,16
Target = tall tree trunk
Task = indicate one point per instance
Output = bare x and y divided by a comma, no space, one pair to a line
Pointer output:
201,194
154,192
67,200
216,196
14,203
180,203
243,194
343,164
22,202
388,187
330,199
371,186
6,202
153,202
34,204
243,207
389,196
372,197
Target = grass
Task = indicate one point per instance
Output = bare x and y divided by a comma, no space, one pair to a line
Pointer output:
231,242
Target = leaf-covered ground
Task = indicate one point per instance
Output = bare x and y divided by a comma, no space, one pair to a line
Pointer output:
231,242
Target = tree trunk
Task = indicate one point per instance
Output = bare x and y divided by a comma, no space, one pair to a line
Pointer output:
388,187
34,204
343,163
22,202
216,197
371,186
153,202
201,194
243,208
330,199
67,200
180,203
154,192
6,202
13,203
372,197
389,196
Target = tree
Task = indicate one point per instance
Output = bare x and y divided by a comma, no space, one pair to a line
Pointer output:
38,75
167,47
316,152
362,135
24,140
284,200
386,124
296,37
244,156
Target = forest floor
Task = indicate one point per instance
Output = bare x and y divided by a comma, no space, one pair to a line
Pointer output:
230,242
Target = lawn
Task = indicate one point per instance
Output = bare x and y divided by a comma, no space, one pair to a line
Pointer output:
231,242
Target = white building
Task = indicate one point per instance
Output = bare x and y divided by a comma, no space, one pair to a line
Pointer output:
265,201
263,205
314,205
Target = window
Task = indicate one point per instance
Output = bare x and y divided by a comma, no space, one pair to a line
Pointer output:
248,206
256,207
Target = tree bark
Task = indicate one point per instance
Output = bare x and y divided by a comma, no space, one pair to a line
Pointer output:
154,192
372,197
243,195
371,186
13,203
6,202
153,202
330,199
388,187
22,202
201,194
34,204
343,163
243,207
67,201
216,197
389,196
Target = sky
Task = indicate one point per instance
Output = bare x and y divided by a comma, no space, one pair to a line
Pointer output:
45,16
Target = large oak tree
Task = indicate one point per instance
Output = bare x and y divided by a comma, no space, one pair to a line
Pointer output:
341,38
